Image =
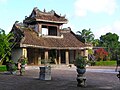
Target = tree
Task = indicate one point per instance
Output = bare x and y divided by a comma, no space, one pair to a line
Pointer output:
86,35
96,42
110,41
5,45
101,53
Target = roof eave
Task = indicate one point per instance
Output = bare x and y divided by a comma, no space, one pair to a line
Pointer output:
36,46
64,22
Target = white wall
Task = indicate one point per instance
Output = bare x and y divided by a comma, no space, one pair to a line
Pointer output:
16,54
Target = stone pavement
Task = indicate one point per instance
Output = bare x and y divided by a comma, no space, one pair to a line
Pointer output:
62,79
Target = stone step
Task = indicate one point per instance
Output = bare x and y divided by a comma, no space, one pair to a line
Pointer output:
30,67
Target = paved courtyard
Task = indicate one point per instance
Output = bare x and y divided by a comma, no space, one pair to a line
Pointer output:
98,78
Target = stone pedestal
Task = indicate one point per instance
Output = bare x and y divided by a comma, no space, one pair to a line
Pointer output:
45,73
118,75
81,80
22,71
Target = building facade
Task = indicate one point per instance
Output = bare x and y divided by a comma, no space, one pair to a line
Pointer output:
41,37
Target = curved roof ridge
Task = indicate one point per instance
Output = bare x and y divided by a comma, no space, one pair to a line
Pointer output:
52,12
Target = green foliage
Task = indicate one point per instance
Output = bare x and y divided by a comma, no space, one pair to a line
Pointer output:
91,62
90,51
80,61
11,65
110,41
1,62
86,35
25,61
96,42
118,49
105,63
46,62
3,68
11,61
5,44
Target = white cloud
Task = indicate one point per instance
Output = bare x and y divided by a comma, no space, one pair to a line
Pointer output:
3,1
71,26
114,28
82,7
102,31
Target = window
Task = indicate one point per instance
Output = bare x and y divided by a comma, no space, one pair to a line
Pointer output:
44,31
49,30
53,31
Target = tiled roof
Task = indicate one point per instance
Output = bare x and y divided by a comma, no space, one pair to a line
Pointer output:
69,41
45,16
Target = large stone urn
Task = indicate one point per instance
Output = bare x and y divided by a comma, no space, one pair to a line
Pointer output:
45,73
81,71
80,64
81,77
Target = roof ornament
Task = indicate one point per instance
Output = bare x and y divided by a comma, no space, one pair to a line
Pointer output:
69,28
25,17
16,22
35,8
52,12
35,11
44,10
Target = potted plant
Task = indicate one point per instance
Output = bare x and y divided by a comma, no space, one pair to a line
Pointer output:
22,62
11,67
80,63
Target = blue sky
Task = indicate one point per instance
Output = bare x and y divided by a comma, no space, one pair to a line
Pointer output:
102,16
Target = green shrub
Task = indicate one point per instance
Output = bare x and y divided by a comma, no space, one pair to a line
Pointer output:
3,68
105,63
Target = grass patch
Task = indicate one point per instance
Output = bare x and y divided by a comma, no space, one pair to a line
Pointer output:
105,63
3,68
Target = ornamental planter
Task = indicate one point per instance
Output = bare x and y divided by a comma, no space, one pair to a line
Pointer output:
45,73
12,68
81,77
13,72
81,71
22,72
80,64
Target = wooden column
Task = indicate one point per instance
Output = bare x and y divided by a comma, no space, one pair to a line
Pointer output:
39,60
58,32
59,58
67,57
56,61
82,52
40,28
46,55
24,52
86,53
